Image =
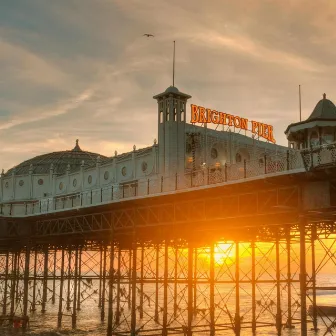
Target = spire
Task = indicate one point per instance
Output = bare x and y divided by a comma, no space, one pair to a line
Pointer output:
324,96
76,148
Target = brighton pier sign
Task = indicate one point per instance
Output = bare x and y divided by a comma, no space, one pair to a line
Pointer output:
204,115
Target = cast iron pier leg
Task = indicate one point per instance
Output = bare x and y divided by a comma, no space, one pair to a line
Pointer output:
303,286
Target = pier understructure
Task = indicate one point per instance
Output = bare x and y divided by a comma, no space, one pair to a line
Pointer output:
227,258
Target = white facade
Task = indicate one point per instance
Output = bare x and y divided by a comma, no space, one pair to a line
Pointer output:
182,149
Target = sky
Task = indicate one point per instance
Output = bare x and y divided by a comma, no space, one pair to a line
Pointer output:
83,69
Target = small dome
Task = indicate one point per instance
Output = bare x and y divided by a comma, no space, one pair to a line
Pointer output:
172,89
325,109
60,160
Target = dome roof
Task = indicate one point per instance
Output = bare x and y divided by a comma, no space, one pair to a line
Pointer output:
325,109
172,89
60,160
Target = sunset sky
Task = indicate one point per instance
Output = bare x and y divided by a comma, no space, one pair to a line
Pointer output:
82,69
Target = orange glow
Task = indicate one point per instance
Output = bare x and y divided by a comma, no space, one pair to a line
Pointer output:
200,114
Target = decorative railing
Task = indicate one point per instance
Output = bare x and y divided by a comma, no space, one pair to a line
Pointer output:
319,157
267,165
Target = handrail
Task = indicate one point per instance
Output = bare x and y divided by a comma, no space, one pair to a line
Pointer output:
279,163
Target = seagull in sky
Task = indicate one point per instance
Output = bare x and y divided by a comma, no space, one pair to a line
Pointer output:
148,35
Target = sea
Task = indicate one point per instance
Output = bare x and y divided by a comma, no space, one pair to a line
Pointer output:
89,316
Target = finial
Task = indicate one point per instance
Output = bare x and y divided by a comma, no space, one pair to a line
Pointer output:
134,148
68,167
324,96
77,148
115,153
154,141
82,165
52,166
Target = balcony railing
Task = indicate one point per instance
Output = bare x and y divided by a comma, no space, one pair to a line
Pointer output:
228,173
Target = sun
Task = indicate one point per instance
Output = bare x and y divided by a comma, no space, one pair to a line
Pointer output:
224,253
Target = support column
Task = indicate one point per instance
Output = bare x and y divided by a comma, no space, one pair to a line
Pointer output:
4,308
26,288
141,281
118,313
303,273
59,320
69,280
111,283
45,279
13,282
133,289
190,288
212,290
237,314
79,279
74,306
278,288
253,280
175,282
156,312
130,279
314,313
289,324
195,278
165,292
33,308
100,276
102,311
54,278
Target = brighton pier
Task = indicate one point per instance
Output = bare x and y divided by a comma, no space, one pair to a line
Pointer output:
206,232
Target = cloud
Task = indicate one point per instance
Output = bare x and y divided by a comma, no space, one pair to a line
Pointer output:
82,69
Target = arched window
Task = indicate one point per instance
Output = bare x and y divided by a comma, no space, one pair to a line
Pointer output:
327,137
238,158
314,139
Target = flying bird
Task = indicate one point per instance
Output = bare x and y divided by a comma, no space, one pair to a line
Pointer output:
148,35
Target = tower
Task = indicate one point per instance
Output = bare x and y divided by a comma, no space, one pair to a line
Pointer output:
171,128
319,129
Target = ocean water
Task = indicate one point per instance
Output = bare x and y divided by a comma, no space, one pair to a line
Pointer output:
89,323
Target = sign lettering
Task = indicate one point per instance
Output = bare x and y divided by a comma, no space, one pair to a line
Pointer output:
200,114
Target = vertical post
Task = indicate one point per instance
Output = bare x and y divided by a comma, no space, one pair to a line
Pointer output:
303,286
156,311
130,279
147,186
74,316
289,282
45,278
54,278
253,280
278,288
79,279
195,279
287,160
25,288
69,279
165,292
313,238
190,288
225,173
141,280
4,308
13,282
175,281
212,289
59,319
102,312
111,282
265,163
100,276
176,181
161,183
112,193
134,280
237,314
118,287
33,308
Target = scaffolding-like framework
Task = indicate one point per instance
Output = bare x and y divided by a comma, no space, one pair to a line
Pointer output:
215,261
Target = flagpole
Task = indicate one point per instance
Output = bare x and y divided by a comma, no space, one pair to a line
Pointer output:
300,101
174,66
